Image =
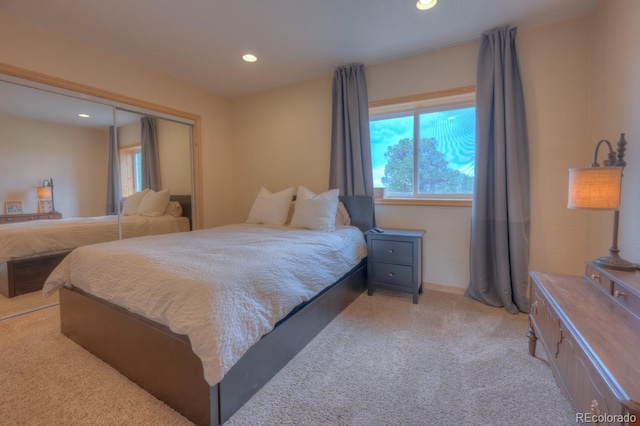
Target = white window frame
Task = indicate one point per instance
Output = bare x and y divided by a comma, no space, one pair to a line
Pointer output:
415,105
127,169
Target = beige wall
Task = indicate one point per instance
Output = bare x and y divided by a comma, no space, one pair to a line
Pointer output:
175,156
75,157
38,50
174,152
614,108
554,62
282,138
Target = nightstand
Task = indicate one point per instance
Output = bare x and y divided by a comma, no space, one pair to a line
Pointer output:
395,260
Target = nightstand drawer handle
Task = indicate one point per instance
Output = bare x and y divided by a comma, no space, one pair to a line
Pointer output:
391,274
391,251
595,276
618,293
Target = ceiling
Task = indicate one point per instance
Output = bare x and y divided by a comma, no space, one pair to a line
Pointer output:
26,102
202,41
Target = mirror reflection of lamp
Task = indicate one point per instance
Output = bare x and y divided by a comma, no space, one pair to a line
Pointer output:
46,191
599,188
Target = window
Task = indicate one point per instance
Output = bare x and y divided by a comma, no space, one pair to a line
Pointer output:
130,170
424,146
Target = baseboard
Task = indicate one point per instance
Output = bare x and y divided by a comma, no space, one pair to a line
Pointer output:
444,288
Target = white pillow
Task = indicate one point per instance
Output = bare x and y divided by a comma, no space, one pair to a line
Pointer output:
342,215
154,203
305,193
132,202
317,212
173,209
271,208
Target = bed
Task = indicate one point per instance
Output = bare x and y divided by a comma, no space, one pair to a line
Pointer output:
29,251
164,362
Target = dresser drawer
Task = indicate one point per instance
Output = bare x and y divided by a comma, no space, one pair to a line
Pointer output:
601,281
629,300
392,274
392,251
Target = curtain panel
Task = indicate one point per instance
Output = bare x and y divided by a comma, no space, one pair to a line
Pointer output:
350,169
113,181
500,223
149,153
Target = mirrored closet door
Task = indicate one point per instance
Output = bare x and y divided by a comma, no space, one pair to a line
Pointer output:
66,155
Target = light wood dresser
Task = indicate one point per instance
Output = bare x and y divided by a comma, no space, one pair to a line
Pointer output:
590,329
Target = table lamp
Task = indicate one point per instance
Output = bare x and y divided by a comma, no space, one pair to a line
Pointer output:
599,188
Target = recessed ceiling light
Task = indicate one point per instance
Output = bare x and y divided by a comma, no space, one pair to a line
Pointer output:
249,57
426,4
84,115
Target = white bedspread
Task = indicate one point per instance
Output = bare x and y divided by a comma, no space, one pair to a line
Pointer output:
40,236
223,287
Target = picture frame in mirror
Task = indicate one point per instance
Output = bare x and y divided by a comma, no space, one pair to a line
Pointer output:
13,207
45,206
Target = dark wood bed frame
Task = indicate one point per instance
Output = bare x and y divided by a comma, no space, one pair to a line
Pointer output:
27,274
163,363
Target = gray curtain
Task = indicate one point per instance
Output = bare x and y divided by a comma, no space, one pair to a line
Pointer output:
112,175
149,153
500,222
350,169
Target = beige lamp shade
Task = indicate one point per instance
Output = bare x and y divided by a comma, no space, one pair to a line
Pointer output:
595,188
44,192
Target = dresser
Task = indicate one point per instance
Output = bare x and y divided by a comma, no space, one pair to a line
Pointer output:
394,260
12,218
27,274
589,328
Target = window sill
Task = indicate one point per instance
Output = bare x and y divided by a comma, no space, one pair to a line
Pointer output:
423,202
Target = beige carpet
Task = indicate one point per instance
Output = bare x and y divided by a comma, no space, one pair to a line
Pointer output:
25,303
384,361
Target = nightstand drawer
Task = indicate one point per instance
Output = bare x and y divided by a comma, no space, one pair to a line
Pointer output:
392,251
392,274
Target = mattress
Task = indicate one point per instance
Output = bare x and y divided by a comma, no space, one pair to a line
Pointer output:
223,287
41,236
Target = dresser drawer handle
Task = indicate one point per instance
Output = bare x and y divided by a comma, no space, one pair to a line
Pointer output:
391,274
595,277
391,251
618,294
534,307
595,408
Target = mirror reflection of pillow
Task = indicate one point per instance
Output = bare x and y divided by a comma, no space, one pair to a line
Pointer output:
270,208
154,203
132,202
173,209
315,211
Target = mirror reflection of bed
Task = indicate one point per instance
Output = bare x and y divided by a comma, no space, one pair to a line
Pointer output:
43,138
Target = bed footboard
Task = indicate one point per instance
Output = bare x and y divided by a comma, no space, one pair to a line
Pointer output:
163,363
148,353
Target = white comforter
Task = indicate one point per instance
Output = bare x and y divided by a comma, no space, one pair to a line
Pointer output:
40,236
223,287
